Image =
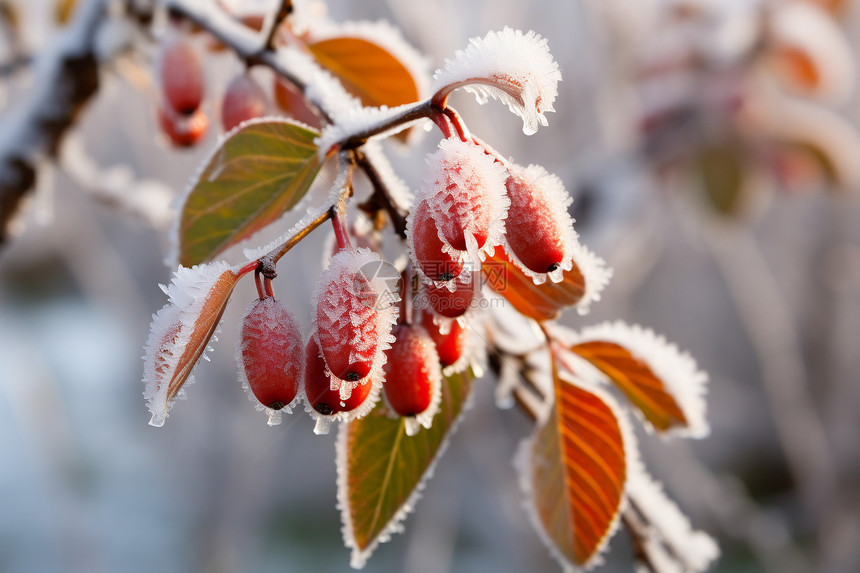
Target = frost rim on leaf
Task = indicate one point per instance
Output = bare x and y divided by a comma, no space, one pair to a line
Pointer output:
510,66
359,557
522,465
697,548
187,293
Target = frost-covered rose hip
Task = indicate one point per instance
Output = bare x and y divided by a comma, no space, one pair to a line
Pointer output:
183,130
427,248
413,375
355,310
318,390
449,346
270,354
465,191
452,304
539,230
243,100
181,75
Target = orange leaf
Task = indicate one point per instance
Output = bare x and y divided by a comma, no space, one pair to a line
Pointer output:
576,473
366,70
540,302
636,379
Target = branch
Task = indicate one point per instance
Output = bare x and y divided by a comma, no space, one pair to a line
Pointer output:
67,79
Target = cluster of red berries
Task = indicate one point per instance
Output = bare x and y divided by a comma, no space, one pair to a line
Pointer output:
182,81
352,353
472,202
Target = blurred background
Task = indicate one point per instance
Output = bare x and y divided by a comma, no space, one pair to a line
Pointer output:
711,148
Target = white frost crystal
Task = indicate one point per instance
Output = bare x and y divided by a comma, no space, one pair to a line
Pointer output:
510,66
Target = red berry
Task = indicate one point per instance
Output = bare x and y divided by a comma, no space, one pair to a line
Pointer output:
243,100
183,131
537,219
181,73
353,314
412,372
448,346
465,188
293,103
451,304
436,264
271,352
318,386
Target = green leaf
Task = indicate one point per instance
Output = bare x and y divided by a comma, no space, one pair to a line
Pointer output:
381,470
260,171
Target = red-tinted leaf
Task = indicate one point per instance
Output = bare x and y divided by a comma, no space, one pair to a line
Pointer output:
540,302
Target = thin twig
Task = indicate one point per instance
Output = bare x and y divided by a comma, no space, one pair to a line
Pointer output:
285,8
383,194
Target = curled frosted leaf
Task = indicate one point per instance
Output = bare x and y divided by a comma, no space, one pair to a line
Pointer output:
510,66
691,550
180,332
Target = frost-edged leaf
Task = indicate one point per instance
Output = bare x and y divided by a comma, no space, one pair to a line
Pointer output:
261,169
574,472
181,330
579,286
510,66
662,382
810,53
368,71
670,540
381,470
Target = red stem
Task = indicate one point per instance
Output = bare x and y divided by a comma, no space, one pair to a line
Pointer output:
267,285
338,221
259,283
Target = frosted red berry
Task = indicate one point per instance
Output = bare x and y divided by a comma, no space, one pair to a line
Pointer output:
538,225
412,371
243,100
353,314
451,304
318,390
466,193
293,103
435,263
183,130
181,75
449,346
271,353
